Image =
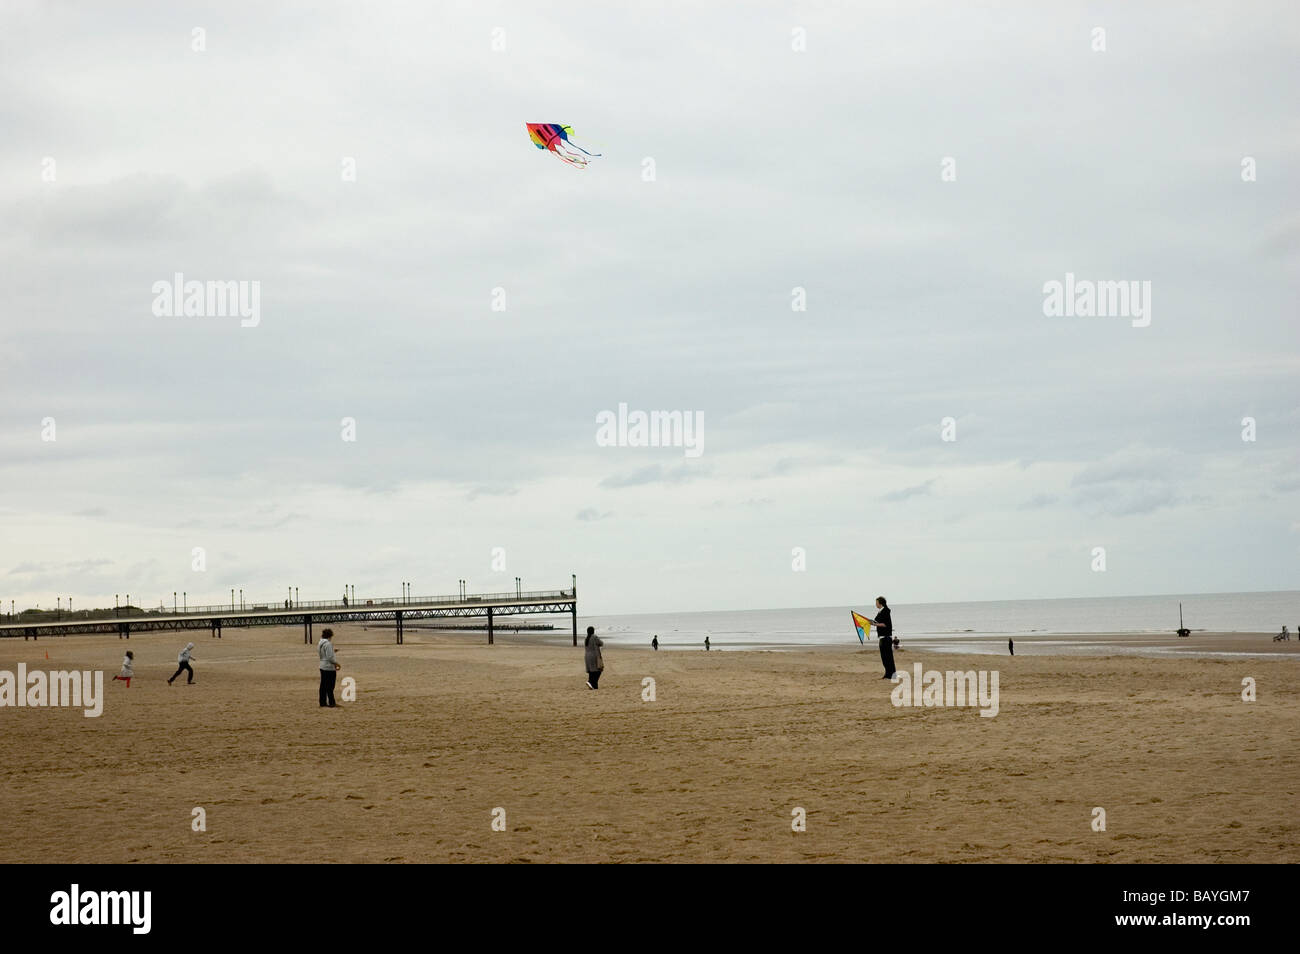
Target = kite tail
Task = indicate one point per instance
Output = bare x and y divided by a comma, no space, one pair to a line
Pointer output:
580,149
570,158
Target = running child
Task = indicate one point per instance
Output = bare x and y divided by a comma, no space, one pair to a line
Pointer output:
128,669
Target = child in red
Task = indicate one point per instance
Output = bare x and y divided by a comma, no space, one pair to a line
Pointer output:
128,669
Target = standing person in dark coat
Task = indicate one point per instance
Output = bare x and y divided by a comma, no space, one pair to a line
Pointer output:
655,642
885,629
1011,645
329,668
595,663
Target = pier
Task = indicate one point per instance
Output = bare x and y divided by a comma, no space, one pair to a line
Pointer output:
397,610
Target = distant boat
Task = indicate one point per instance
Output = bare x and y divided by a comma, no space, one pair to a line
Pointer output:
1182,630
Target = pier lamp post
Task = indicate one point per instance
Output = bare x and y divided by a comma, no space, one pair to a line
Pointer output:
295,596
185,602
128,601
519,587
173,602
232,599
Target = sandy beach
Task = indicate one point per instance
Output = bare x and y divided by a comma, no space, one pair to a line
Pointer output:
445,729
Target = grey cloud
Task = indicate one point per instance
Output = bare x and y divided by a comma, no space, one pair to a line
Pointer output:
652,474
906,493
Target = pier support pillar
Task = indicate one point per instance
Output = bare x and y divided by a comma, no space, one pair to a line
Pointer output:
399,628
489,626
216,629
574,611
306,628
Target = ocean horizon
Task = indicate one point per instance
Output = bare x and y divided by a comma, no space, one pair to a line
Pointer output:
956,625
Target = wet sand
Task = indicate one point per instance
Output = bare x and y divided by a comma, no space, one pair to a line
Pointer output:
445,729
1106,644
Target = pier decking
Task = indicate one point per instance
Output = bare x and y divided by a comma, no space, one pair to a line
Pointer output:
489,606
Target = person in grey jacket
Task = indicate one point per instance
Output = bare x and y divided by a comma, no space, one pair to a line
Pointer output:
595,664
183,660
329,668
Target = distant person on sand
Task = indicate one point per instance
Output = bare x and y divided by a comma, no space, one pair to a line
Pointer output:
183,658
655,642
898,644
329,668
128,669
706,644
595,662
1011,645
885,627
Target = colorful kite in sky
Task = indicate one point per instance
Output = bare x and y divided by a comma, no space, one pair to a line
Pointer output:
863,625
555,137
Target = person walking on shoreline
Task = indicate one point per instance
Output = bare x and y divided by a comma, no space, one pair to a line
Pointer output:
183,659
329,668
654,643
885,629
595,662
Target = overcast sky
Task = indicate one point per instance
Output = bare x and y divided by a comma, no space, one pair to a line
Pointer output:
774,168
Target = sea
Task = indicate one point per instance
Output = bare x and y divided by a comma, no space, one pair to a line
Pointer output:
968,627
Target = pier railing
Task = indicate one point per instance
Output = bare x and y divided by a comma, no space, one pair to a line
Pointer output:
282,605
